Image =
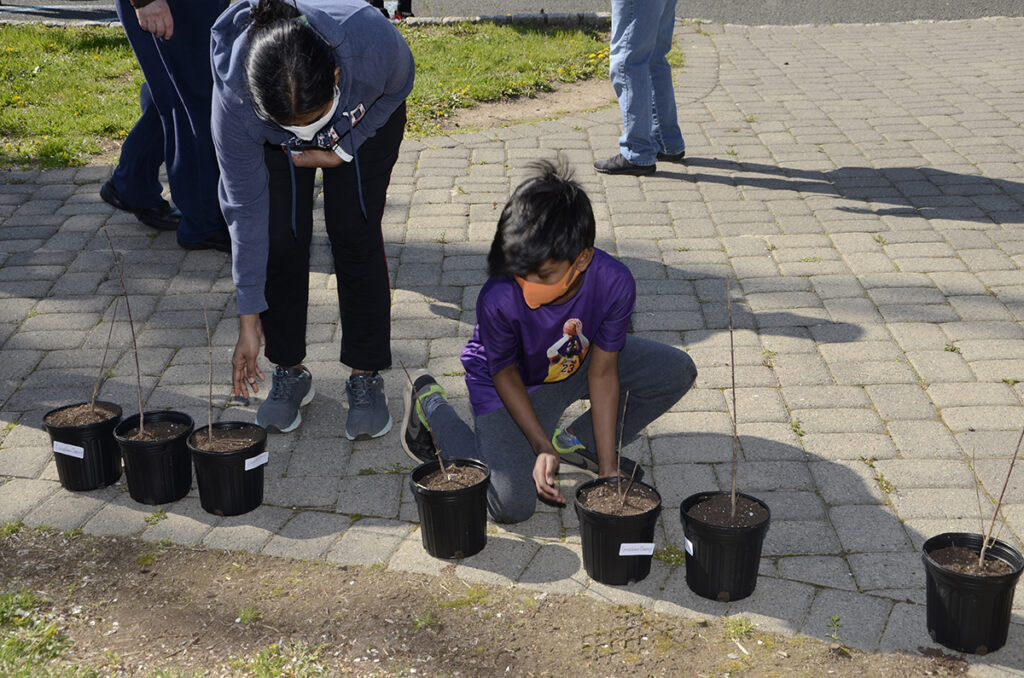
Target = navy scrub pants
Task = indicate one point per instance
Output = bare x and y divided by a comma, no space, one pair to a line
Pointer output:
175,124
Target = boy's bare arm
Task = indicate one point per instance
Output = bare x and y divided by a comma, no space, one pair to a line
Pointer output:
603,381
510,388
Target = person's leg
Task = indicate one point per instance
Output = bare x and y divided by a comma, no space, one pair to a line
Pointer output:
364,292
665,128
656,376
354,197
634,35
137,175
183,96
287,286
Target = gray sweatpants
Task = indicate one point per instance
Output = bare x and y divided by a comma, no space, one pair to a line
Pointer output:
656,376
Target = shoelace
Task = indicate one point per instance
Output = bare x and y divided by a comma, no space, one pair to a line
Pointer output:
359,386
282,383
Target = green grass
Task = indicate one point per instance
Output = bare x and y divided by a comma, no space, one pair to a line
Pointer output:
62,91
283,660
67,91
30,646
465,63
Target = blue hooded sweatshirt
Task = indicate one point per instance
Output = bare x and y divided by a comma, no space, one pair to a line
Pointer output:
376,77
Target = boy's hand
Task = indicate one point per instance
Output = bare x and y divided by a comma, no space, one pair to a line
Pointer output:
544,471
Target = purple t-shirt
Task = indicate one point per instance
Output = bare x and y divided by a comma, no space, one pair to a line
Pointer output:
551,342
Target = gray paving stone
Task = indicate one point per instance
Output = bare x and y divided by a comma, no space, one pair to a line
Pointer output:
308,535
371,540
874,571
861,618
907,628
828,571
248,532
186,524
19,496
65,510
868,529
923,439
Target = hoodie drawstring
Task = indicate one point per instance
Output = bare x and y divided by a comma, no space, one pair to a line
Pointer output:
359,178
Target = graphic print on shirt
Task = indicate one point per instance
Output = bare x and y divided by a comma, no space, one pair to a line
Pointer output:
566,355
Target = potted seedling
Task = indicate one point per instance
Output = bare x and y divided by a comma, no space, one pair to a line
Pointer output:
229,457
156,461
451,499
723,531
969,583
82,436
617,519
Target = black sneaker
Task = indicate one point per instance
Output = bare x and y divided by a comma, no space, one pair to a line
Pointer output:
672,157
617,164
575,453
163,217
292,388
416,439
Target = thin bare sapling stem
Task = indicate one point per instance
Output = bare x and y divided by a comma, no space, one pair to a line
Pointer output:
732,370
999,503
209,344
131,326
103,363
618,455
437,448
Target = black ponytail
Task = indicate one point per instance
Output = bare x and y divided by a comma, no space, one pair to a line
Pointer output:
290,66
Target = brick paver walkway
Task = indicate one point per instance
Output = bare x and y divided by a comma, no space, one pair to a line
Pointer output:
863,186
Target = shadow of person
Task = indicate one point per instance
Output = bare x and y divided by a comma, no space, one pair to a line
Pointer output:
913,192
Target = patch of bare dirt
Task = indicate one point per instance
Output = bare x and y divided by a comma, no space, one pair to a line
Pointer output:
567,98
131,608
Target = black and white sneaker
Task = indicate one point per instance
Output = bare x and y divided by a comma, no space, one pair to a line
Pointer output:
416,438
573,452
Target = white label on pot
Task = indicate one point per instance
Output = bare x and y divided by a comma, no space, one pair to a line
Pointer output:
636,549
688,545
258,460
70,450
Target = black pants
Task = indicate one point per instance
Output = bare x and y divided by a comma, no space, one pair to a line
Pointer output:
364,294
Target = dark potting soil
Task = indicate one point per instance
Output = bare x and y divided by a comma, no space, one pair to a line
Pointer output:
156,430
965,561
717,510
81,415
607,498
453,477
225,440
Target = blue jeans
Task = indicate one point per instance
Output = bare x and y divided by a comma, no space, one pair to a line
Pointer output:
174,127
656,376
642,78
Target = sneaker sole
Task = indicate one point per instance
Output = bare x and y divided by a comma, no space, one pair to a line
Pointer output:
410,412
579,462
371,436
298,415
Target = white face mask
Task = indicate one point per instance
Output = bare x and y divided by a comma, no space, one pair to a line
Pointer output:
307,132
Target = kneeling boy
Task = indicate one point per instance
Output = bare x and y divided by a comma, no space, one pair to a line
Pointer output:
552,325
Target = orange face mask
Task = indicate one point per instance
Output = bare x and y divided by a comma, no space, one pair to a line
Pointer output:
537,294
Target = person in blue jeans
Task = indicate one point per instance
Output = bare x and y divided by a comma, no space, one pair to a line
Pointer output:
548,282
171,40
642,78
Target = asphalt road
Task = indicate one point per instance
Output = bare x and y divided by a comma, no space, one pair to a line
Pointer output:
748,12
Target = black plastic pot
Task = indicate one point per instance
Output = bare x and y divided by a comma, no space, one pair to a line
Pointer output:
616,549
966,612
722,562
453,523
158,471
86,456
230,483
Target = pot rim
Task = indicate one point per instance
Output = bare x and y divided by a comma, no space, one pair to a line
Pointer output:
51,427
177,416
226,425
427,467
1015,569
700,496
604,481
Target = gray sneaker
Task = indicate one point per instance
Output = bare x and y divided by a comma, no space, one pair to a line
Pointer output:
292,388
368,415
